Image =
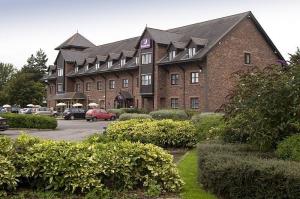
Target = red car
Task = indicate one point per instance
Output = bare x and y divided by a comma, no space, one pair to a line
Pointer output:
94,114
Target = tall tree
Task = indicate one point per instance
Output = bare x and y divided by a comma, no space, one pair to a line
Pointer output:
36,65
6,72
295,58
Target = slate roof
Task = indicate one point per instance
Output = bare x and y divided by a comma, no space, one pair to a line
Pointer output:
76,41
204,34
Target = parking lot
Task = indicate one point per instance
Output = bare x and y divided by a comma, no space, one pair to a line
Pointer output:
70,130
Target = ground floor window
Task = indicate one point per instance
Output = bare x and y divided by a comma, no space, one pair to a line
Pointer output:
112,84
88,86
174,103
194,102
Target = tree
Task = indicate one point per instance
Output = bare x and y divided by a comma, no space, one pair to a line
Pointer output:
36,65
6,72
295,58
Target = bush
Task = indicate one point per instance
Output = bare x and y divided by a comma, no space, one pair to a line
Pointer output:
8,174
78,167
173,114
191,112
129,116
208,125
134,110
263,109
164,133
118,112
238,172
289,148
30,121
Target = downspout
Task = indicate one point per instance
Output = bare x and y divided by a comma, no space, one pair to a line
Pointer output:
182,68
104,92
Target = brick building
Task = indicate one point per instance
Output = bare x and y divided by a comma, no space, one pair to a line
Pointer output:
189,67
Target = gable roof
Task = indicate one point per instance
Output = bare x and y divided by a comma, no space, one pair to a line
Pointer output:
76,41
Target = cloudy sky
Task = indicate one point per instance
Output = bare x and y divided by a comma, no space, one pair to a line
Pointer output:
27,25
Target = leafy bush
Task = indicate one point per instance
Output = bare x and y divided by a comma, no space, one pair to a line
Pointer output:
134,110
238,172
118,112
8,174
173,114
165,133
78,167
30,121
289,148
208,125
191,112
264,108
129,116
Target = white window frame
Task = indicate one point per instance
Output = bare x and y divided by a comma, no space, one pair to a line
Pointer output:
195,77
172,55
191,52
137,60
146,58
125,83
109,64
195,103
88,86
76,69
60,85
175,103
77,87
123,62
112,84
87,67
60,72
146,79
97,66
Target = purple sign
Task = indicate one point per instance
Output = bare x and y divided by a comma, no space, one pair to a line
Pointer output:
145,43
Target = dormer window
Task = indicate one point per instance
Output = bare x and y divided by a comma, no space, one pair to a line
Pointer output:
60,72
191,52
97,66
137,60
123,62
87,67
109,64
76,69
172,55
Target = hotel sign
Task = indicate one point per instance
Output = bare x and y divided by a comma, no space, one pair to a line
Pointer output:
145,43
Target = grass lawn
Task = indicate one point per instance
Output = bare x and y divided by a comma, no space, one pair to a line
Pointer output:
188,169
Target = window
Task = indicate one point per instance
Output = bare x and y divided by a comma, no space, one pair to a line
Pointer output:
191,52
137,60
125,83
87,67
112,84
97,66
174,79
194,103
123,62
146,80
194,77
147,58
99,85
109,64
247,58
76,69
172,55
59,87
174,103
88,86
60,72
50,72
77,87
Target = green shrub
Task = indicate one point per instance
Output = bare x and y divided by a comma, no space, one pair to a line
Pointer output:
164,133
289,148
118,112
80,167
208,125
6,146
129,116
191,112
238,172
134,110
8,180
30,121
173,114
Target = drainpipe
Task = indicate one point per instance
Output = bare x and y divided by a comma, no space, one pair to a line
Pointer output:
183,79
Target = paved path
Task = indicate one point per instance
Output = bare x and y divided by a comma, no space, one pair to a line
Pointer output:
71,130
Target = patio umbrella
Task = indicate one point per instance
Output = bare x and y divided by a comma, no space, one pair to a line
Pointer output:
61,104
6,106
77,105
30,105
93,104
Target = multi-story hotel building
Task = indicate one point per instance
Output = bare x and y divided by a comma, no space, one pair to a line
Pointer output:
188,67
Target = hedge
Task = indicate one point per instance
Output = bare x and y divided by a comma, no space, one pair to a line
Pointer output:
236,172
134,110
174,114
208,125
30,121
289,148
129,116
81,167
118,112
164,133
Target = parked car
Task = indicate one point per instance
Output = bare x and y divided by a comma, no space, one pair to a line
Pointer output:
26,111
74,113
94,114
15,109
3,124
46,111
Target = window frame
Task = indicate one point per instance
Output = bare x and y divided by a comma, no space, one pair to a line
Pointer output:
58,86
194,104
146,81
246,56
60,72
122,62
112,84
109,64
99,85
97,65
191,52
172,55
77,87
88,86
174,102
125,83
146,58
195,79
176,80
